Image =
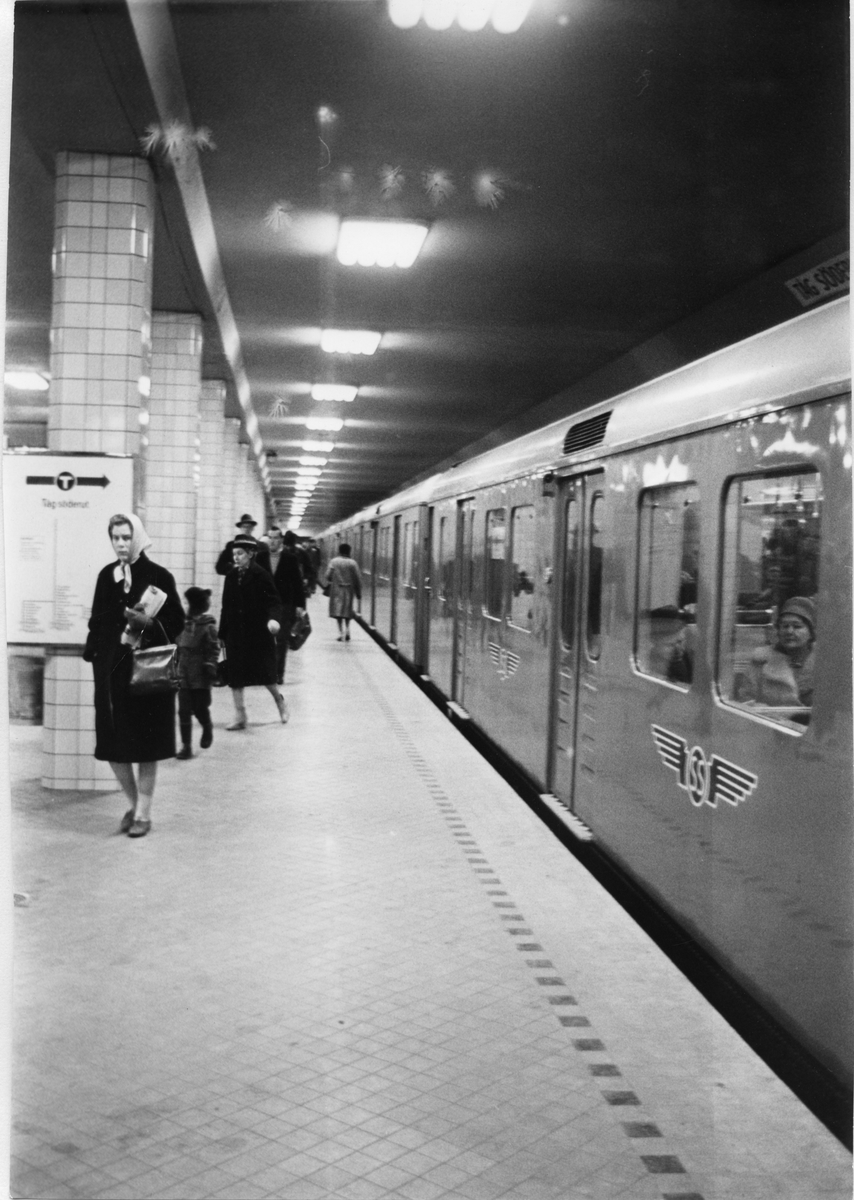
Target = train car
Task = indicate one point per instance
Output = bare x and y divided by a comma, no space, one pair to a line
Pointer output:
609,599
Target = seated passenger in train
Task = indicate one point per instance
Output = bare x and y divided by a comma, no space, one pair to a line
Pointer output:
781,675
669,657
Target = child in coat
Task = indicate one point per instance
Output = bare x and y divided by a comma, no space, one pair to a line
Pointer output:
198,653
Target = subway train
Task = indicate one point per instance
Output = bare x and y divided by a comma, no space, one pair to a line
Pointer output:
603,599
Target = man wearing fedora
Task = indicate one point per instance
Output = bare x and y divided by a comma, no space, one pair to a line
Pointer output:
245,525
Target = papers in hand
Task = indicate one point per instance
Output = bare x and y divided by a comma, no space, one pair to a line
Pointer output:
148,606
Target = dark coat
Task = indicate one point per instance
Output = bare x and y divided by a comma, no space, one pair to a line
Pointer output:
225,562
130,728
198,652
249,601
290,585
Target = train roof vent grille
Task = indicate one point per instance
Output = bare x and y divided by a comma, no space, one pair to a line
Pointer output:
586,433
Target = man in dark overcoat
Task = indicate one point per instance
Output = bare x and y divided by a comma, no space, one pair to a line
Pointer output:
291,588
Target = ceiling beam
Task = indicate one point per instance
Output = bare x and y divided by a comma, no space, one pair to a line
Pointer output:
152,26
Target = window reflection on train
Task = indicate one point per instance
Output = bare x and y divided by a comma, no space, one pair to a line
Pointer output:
668,579
770,576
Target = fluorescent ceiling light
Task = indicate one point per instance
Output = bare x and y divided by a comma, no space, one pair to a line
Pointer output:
333,391
324,424
349,341
309,471
26,381
311,460
472,15
380,243
321,446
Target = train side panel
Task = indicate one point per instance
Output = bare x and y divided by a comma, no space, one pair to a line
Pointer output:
738,819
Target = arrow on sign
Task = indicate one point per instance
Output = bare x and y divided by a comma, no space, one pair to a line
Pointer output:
66,481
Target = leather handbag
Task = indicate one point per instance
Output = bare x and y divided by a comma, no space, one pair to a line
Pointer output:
221,677
154,669
300,630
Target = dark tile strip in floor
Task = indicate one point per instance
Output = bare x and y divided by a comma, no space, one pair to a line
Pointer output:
656,1164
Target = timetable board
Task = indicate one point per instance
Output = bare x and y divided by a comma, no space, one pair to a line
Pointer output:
55,513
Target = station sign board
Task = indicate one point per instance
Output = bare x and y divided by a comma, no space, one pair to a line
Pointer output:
55,513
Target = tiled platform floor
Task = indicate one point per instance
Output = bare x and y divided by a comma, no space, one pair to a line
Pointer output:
349,962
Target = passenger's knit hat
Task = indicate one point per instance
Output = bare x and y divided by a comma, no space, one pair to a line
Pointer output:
246,519
800,606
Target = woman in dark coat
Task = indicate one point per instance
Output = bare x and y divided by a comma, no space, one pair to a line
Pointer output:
249,622
131,729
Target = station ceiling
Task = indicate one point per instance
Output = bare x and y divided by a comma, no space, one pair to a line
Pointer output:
589,182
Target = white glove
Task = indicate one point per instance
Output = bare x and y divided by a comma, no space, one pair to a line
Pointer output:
274,627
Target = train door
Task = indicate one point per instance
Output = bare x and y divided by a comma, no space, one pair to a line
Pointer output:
464,578
578,632
424,596
393,581
372,558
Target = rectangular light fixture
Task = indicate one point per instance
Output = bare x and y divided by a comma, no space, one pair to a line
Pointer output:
333,391
26,381
349,341
380,243
319,446
312,460
309,472
324,424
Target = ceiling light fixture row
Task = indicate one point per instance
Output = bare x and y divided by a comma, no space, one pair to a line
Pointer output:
506,16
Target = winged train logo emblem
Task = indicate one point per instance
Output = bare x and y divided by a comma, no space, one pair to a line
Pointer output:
705,780
505,661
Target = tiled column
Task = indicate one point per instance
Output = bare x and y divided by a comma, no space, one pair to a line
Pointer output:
101,320
172,469
100,368
212,520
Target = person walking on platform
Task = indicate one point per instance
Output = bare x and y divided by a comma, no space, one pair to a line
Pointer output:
198,653
133,596
225,562
250,619
344,581
291,588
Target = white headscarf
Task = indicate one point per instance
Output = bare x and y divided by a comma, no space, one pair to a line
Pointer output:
139,541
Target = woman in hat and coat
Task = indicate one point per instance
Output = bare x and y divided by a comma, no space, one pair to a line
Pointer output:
781,676
131,729
250,619
344,582
246,524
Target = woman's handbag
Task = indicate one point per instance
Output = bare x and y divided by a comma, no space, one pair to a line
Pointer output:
154,669
300,630
221,678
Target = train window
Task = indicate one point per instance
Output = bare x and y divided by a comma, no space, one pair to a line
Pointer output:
666,607
570,585
406,559
772,531
496,543
594,579
445,560
384,556
522,550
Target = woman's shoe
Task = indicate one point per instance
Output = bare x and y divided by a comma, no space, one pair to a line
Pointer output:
207,737
236,725
127,821
346,637
184,752
283,708
139,829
